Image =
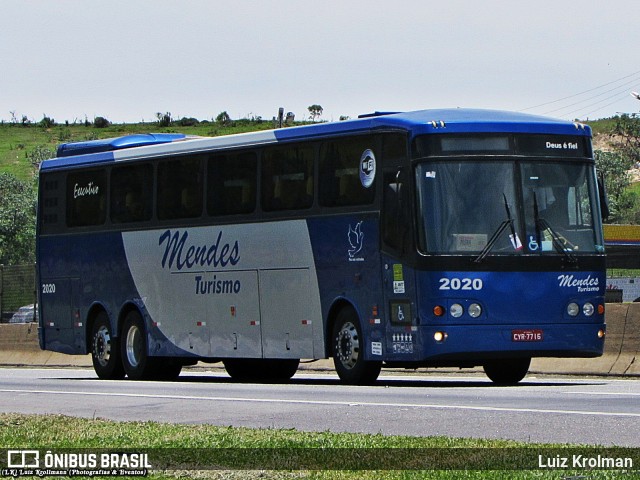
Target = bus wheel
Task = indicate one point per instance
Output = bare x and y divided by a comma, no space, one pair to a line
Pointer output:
135,360
348,351
507,371
105,351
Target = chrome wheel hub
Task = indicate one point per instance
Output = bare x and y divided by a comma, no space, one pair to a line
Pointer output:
102,346
348,345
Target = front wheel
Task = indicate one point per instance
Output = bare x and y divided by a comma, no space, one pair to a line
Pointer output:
135,359
105,351
508,371
348,351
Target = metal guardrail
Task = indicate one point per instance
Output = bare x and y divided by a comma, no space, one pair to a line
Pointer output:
18,288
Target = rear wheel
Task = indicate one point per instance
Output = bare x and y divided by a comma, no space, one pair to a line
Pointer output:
348,351
105,351
135,359
508,371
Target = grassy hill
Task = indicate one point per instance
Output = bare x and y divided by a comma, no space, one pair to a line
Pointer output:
18,143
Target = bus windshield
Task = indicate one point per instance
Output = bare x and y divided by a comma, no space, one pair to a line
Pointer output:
482,206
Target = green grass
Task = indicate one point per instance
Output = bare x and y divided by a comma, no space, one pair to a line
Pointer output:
181,444
17,141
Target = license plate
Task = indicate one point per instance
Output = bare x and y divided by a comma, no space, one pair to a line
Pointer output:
527,335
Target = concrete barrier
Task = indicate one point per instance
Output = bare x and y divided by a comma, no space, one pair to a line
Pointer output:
616,315
19,346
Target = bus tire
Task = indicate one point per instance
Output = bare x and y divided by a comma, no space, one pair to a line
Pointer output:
105,351
135,359
348,351
507,371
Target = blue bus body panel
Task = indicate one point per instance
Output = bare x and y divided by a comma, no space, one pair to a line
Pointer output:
77,161
442,121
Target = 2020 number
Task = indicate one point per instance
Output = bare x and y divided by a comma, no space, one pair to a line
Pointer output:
460,284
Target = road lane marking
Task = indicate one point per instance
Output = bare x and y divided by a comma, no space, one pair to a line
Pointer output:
327,402
632,394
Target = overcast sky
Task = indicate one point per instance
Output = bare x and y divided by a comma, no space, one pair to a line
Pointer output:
128,59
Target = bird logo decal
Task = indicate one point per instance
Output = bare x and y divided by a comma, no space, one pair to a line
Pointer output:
355,237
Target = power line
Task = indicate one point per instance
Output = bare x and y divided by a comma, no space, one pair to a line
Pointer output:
582,93
620,90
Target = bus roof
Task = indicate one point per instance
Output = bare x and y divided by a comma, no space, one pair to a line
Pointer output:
419,122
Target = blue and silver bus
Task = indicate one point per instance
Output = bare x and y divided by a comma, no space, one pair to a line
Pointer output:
436,238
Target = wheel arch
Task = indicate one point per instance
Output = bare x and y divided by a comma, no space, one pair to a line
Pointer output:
125,310
92,314
337,306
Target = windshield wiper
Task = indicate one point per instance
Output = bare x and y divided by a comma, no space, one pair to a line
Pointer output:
494,238
561,244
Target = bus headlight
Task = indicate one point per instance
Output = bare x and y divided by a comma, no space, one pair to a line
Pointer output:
475,310
573,309
588,309
456,310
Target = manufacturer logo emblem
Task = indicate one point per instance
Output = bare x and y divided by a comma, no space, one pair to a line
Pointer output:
356,239
367,168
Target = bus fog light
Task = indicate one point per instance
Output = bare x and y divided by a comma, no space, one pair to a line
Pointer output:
456,310
588,309
573,309
601,333
475,310
440,336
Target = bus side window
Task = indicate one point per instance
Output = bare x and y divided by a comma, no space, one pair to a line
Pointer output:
340,183
180,188
131,193
232,184
287,178
86,198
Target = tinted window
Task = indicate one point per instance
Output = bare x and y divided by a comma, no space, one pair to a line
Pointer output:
131,193
232,184
180,188
341,163
287,178
86,198
51,202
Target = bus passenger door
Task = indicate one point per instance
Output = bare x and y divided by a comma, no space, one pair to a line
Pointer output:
398,279
287,309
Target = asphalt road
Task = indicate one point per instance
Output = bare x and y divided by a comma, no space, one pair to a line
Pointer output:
584,410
